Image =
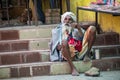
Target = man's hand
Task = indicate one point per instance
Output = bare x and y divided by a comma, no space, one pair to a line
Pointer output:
75,25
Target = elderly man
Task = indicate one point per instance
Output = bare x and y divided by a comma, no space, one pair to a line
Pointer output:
70,42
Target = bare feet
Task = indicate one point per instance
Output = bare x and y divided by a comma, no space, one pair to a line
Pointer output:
75,72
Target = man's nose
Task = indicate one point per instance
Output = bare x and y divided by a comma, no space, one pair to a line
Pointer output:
67,20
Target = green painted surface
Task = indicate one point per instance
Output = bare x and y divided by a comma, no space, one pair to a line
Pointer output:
63,68
35,33
4,72
27,34
39,44
45,56
44,32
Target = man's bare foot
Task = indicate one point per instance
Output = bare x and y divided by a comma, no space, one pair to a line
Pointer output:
75,72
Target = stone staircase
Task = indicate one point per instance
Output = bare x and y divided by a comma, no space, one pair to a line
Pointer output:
24,52
108,44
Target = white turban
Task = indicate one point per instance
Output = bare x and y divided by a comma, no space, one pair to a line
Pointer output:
72,15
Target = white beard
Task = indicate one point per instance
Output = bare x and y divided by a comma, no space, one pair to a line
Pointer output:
65,29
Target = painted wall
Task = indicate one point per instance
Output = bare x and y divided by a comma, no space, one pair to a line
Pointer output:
84,15
106,21
109,22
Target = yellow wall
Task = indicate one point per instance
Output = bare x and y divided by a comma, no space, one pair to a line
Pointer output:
109,22
106,21
84,15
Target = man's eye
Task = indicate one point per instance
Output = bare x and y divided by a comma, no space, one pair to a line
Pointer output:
68,19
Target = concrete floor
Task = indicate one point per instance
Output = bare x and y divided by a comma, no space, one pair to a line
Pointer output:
107,75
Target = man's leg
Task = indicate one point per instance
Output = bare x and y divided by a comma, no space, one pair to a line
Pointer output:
52,4
89,37
88,40
66,54
40,12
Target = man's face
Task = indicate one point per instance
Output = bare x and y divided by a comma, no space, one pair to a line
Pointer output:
68,20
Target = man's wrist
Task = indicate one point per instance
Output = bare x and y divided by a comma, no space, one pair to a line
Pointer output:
78,26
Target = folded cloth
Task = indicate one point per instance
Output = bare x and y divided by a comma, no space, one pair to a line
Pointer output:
93,72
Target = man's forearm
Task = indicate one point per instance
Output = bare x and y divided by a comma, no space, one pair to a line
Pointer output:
79,29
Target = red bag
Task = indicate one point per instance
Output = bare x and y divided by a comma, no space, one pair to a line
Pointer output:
76,43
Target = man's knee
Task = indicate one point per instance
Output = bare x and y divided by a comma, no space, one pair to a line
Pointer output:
92,28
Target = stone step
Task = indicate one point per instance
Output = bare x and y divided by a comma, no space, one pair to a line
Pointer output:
43,44
19,57
43,31
24,44
56,68
107,63
40,69
106,50
107,38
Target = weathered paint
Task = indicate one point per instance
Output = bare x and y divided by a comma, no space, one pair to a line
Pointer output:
106,21
110,23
